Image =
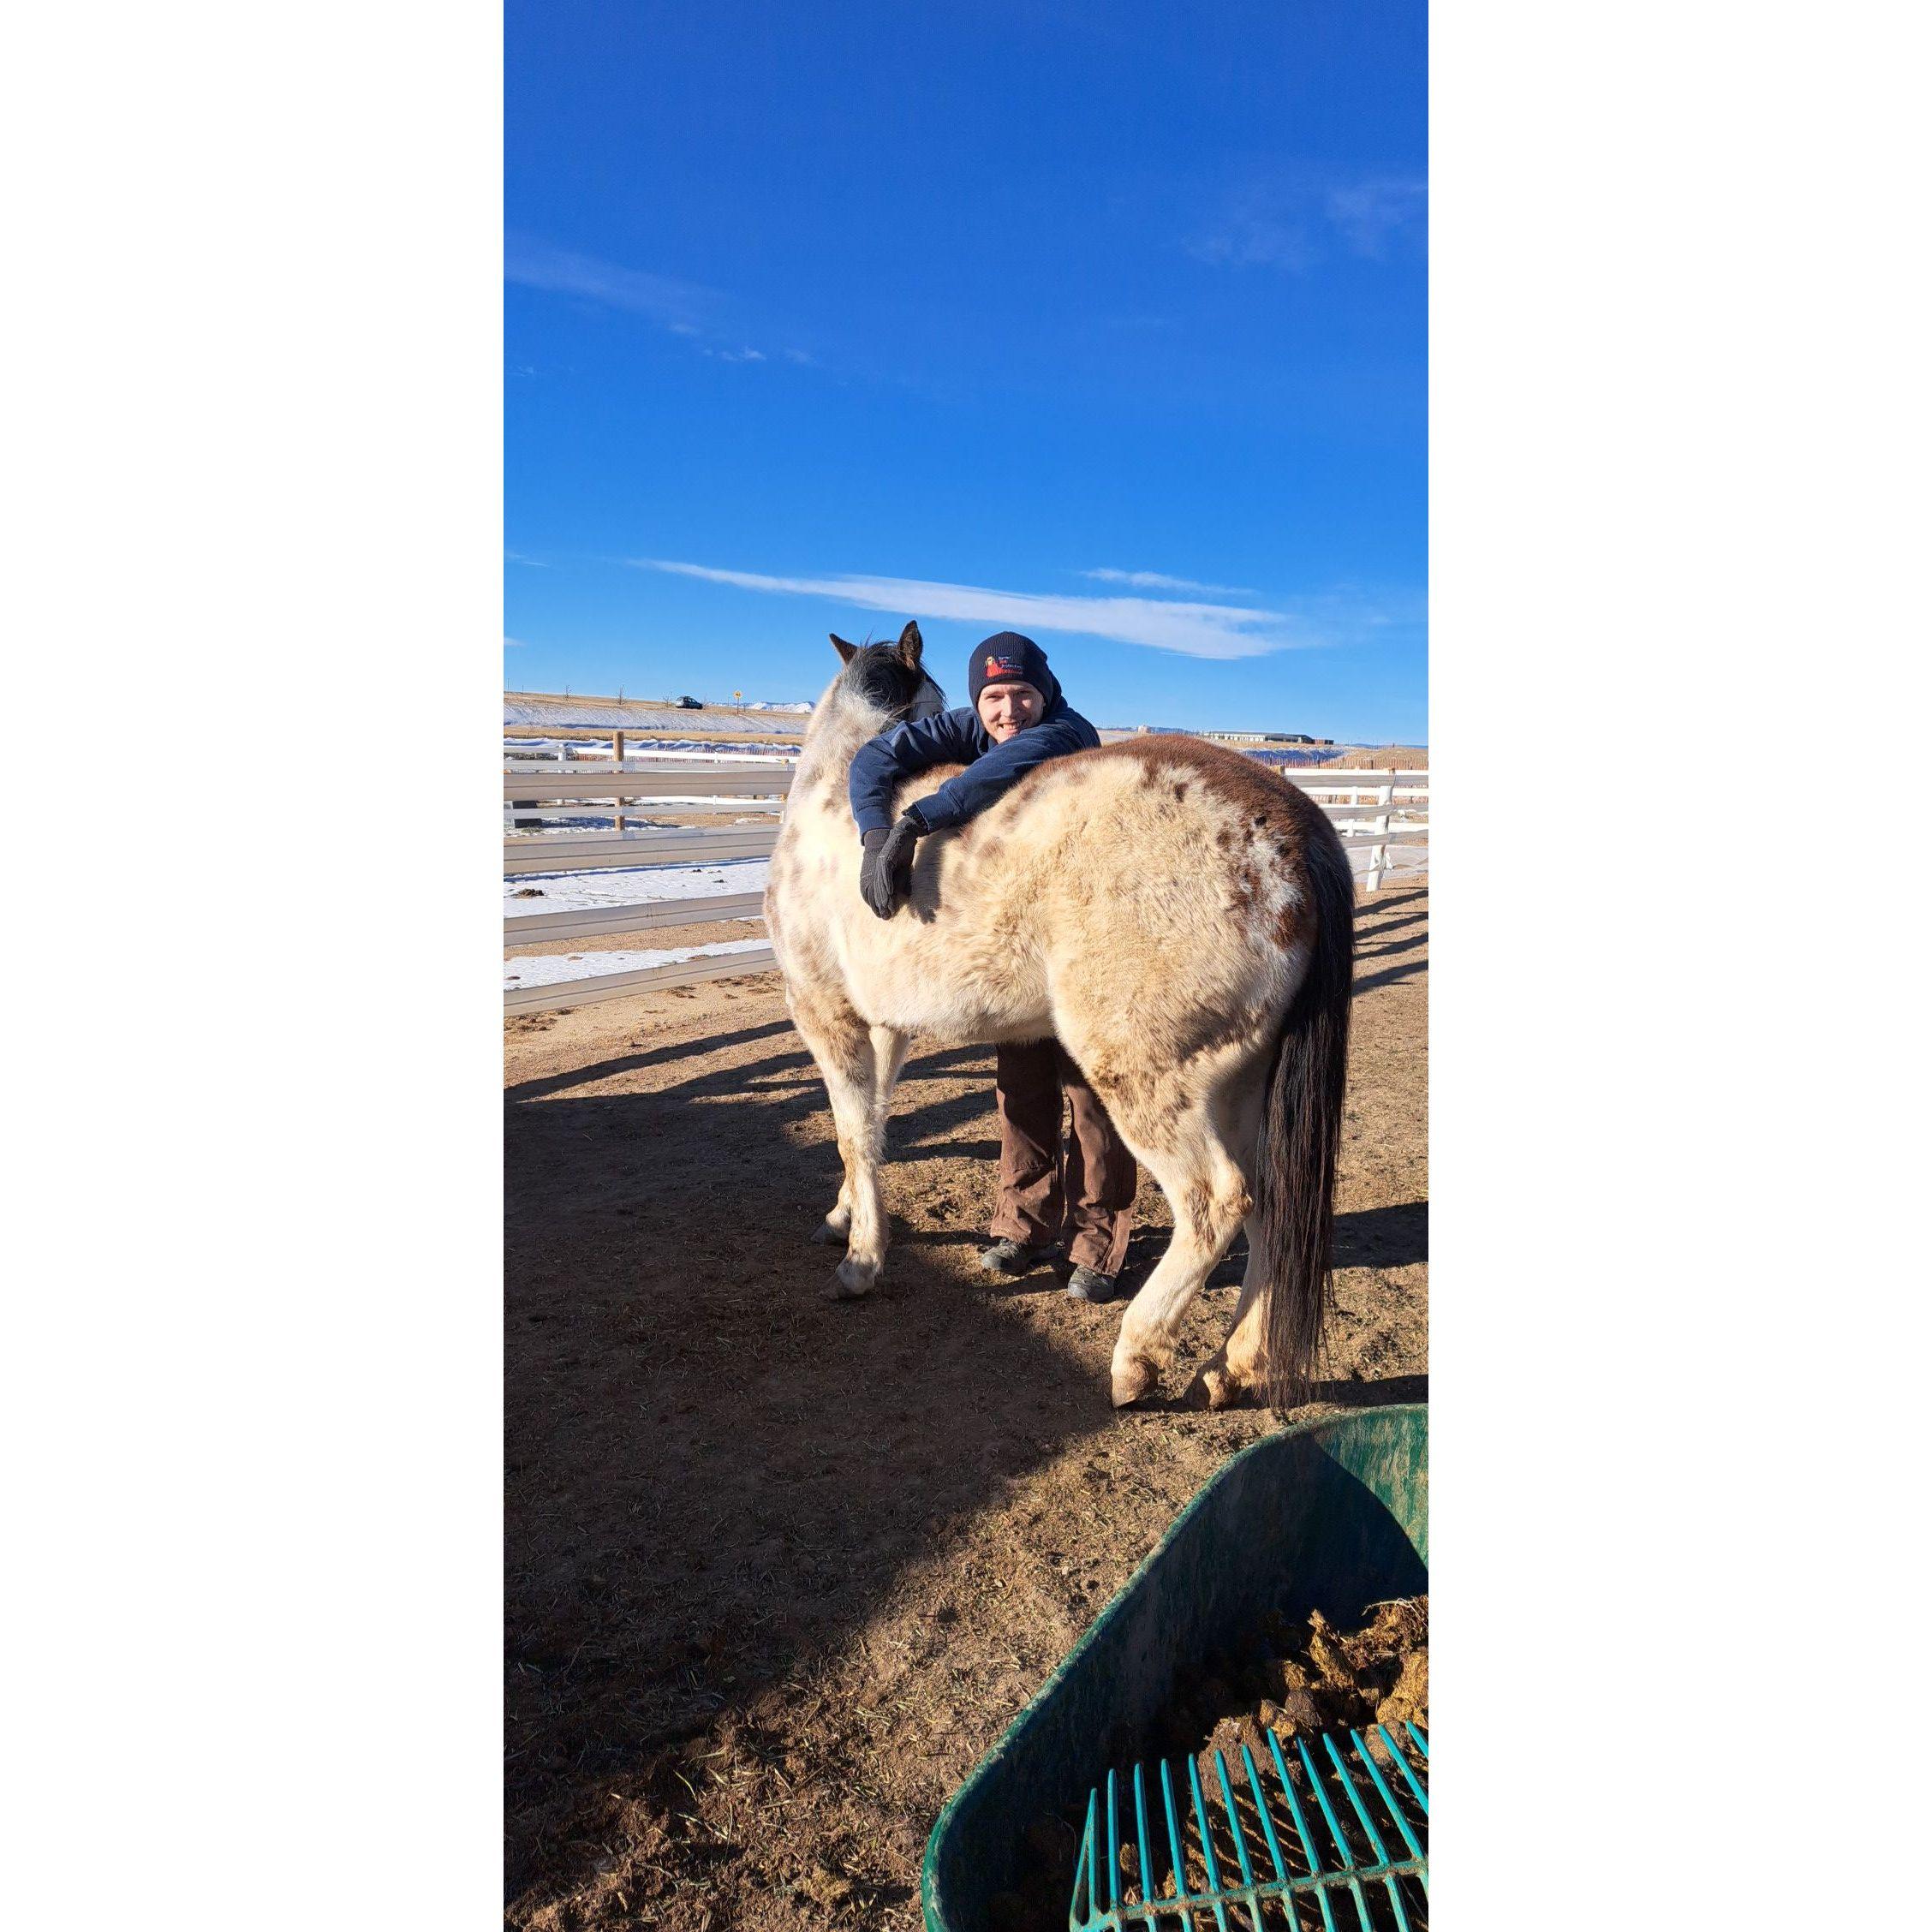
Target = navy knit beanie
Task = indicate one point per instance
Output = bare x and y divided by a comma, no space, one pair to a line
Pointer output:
1006,658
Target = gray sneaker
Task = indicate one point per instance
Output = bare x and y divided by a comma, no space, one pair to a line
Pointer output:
1013,1258
1089,1285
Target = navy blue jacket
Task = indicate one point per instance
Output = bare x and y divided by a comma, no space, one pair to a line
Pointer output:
957,737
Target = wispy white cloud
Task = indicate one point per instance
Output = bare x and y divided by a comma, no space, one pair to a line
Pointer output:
1152,580
1254,232
1195,629
1372,216
1297,221
517,556
680,309
513,643
677,306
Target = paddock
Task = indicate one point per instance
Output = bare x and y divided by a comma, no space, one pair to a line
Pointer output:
780,1569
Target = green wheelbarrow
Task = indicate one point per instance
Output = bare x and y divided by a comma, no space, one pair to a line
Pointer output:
1330,1516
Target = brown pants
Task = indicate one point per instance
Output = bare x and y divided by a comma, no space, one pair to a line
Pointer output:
1078,1187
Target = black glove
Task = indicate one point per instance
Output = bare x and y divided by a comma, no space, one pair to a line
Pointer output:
885,871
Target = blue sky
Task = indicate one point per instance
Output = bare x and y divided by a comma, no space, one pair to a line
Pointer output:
1106,323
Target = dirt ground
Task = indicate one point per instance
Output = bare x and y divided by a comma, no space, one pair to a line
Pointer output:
780,1569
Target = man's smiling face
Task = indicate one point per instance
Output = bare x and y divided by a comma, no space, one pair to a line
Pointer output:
1007,709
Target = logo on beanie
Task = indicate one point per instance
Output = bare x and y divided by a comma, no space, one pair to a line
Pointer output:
1005,667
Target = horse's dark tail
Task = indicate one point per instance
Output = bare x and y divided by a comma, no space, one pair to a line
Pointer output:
1302,1130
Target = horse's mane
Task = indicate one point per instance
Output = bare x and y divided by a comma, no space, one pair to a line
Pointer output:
877,674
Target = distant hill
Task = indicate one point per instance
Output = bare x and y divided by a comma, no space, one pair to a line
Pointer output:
561,711
1384,758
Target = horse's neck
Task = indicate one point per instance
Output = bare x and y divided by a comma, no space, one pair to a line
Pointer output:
831,743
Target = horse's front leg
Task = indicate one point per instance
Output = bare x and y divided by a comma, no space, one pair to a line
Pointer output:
834,1228
889,1051
843,1047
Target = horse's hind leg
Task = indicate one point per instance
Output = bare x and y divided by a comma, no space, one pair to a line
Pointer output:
1209,1195
1204,1162
1238,1369
843,1047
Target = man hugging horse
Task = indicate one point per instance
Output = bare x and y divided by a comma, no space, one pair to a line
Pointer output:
1178,919
1081,1194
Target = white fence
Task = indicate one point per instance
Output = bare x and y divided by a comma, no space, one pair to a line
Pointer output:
1378,813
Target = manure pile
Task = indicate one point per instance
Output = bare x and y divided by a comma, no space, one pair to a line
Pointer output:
1297,1681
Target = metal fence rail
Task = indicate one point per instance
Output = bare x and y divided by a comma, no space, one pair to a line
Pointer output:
532,928
617,986
595,851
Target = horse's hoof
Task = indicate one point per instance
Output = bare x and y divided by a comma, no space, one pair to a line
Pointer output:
1211,1388
826,1235
853,1282
1133,1379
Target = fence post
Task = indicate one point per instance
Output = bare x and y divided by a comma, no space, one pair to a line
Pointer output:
617,746
1378,855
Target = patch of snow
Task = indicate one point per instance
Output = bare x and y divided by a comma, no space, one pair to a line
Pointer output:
1401,858
526,750
580,891
559,969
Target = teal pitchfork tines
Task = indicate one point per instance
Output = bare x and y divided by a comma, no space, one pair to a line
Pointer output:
1331,1833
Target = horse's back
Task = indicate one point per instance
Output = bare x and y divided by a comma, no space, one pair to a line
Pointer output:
1163,842
1153,884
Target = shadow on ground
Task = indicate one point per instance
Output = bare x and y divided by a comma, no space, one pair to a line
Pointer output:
714,1472
717,1478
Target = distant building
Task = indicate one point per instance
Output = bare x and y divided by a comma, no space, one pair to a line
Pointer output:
1263,737
1109,732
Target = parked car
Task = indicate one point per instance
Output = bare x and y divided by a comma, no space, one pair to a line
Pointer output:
689,704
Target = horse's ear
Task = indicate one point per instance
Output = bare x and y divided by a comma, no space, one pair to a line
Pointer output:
843,649
910,644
